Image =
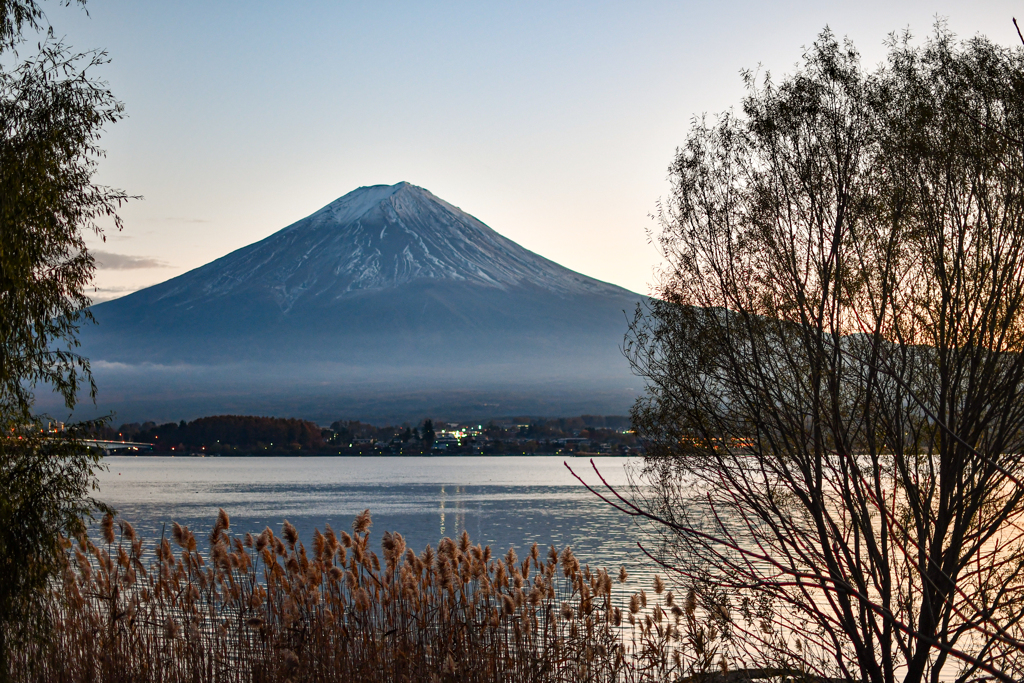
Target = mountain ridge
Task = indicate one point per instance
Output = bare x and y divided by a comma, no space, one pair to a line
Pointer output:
357,233
385,289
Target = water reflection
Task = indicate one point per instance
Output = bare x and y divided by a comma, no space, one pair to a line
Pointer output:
502,502
459,513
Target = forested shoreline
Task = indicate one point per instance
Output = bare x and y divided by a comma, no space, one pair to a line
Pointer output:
255,435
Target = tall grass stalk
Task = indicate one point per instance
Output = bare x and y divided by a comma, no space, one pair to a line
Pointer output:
265,608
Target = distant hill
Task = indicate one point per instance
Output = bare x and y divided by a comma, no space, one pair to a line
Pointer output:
240,431
387,303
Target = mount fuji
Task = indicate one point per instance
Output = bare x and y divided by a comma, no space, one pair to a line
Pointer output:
387,304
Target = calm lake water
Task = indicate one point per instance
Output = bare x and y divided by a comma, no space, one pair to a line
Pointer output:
500,501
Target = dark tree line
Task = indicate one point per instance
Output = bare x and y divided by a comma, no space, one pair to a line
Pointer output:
237,433
241,431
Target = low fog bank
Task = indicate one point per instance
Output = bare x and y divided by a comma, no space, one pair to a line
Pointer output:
324,392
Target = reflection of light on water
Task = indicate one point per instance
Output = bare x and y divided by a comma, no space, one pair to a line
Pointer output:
460,511
528,499
442,512
460,516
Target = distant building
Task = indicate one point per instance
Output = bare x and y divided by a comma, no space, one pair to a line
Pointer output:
445,441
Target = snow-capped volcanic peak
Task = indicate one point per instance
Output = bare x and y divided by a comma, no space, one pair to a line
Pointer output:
386,297
376,238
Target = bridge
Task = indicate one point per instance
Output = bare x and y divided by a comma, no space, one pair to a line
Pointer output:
110,447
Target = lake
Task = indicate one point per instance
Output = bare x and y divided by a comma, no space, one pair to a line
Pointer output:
500,501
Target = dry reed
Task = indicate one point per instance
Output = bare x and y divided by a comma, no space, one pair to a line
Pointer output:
263,608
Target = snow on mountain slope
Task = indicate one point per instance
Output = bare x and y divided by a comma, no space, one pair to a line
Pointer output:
376,238
387,291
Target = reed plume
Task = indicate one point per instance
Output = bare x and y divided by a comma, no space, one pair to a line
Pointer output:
263,609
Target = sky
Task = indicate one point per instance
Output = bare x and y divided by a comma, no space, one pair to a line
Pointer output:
552,122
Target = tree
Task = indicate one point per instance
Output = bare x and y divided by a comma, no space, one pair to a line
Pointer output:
17,14
51,115
52,112
428,434
45,484
834,410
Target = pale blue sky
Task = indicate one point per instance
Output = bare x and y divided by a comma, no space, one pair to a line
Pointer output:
554,123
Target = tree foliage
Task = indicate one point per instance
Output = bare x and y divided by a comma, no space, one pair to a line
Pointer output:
834,410
51,116
46,484
16,15
52,112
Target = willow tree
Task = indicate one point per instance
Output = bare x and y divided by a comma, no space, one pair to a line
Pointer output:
52,111
834,410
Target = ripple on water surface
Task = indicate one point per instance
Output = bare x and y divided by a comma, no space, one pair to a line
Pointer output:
500,501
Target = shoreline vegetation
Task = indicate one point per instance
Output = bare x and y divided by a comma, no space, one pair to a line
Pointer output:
265,608
244,435
831,422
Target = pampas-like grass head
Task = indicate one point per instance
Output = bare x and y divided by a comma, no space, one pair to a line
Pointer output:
265,610
107,526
